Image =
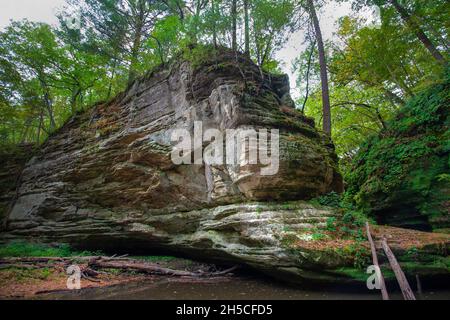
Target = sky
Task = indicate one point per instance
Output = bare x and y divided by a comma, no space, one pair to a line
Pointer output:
328,16
33,10
45,11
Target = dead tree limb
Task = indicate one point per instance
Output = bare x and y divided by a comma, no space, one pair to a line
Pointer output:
150,268
399,274
384,292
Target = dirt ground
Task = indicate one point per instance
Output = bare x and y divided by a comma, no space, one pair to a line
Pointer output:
26,283
19,282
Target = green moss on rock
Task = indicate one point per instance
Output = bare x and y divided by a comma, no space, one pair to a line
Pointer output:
400,177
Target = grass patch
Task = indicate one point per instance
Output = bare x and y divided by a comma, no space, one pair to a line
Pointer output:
19,275
28,249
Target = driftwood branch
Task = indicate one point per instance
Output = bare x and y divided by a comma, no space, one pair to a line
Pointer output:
151,268
384,292
399,274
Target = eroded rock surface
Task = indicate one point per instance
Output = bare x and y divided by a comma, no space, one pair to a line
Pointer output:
12,163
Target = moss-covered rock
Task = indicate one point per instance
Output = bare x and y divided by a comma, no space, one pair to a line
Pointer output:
401,177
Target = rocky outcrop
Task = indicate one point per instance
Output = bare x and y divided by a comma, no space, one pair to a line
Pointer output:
116,157
106,179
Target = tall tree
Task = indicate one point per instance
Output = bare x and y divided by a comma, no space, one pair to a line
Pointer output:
214,27
234,25
418,31
413,20
326,107
247,27
119,28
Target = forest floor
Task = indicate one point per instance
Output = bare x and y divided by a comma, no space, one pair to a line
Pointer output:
22,281
398,238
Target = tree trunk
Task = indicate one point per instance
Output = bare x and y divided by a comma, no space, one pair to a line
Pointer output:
73,100
418,31
373,249
323,70
113,74
138,30
151,268
134,58
307,76
247,28
41,119
234,26
399,274
48,102
213,8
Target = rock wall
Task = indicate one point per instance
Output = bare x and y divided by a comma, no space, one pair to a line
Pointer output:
12,163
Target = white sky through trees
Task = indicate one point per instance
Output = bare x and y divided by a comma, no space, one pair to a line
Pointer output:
45,11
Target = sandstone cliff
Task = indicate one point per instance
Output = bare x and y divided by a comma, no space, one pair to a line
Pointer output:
106,179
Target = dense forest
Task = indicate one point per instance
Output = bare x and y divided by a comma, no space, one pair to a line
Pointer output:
352,85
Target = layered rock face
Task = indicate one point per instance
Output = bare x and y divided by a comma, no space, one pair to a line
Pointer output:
12,163
106,179
117,157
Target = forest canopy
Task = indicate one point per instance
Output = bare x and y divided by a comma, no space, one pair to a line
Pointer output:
352,85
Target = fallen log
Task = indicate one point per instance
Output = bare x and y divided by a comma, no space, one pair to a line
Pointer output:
150,268
21,266
384,293
399,274
32,260
66,260
91,263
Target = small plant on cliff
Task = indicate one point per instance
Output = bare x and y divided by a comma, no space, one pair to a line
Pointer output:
332,199
198,54
357,253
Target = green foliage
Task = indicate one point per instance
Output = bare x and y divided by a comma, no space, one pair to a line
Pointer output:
317,236
198,54
358,253
331,224
332,199
373,71
407,163
27,249
349,221
19,275
355,218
